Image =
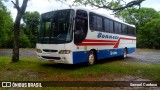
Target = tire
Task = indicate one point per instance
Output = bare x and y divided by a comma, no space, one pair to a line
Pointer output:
125,53
91,58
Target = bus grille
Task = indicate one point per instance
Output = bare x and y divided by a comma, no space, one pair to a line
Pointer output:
49,50
56,58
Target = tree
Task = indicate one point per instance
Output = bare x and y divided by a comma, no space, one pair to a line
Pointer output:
114,5
31,21
149,34
6,24
16,28
138,17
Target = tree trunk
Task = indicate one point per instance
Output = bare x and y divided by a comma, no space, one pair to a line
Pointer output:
16,29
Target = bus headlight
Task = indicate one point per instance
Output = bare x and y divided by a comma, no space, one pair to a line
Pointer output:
39,50
64,51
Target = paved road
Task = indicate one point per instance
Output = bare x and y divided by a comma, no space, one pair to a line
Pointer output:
143,56
23,52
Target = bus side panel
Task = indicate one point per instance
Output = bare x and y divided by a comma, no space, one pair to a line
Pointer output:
131,50
102,54
80,56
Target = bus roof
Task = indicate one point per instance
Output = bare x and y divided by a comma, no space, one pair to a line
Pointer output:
102,14
96,12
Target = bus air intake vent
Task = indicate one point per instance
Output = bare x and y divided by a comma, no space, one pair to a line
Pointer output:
49,50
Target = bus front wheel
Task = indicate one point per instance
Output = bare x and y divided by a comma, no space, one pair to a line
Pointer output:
91,58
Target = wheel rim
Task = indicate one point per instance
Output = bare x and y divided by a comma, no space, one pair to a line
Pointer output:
91,59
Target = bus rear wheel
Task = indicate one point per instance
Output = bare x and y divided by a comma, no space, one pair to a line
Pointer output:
91,58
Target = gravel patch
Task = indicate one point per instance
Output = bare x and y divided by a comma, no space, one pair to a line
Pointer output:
23,52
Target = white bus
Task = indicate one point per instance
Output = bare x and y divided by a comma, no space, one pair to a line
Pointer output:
79,35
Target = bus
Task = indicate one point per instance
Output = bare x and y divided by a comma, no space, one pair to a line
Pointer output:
78,35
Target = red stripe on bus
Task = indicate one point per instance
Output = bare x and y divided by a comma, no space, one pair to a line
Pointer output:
114,42
95,44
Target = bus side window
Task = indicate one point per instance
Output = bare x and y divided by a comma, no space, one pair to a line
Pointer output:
93,21
106,25
119,28
116,27
111,26
132,31
124,29
129,30
99,23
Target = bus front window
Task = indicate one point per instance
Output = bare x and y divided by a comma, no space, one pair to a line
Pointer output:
56,27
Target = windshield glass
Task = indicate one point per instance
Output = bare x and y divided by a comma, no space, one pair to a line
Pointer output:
56,27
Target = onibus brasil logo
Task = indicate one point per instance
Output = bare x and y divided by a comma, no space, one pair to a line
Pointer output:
20,84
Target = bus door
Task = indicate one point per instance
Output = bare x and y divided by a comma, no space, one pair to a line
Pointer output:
81,26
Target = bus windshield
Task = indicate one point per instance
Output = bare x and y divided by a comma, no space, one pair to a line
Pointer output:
56,27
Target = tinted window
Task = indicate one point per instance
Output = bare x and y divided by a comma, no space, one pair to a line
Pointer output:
82,14
93,21
116,27
119,28
106,25
56,27
81,26
124,29
111,26
99,23
131,31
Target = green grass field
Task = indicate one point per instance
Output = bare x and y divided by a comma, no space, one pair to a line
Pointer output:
31,69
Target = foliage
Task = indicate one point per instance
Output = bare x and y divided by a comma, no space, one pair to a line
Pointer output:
146,38
114,5
138,17
6,24
24,41
28,30
149,34
31,21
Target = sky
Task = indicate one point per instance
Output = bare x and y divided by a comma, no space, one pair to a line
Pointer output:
48,5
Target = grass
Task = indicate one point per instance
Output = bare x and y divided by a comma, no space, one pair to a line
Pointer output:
29,68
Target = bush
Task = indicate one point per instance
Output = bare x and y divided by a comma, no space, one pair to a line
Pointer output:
148,35
24,41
